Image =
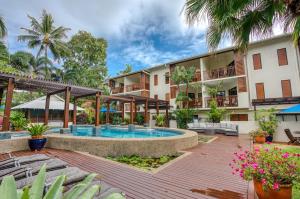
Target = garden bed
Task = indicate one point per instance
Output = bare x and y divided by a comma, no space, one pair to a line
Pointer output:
145,163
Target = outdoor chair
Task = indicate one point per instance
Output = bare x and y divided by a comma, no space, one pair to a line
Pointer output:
293,140
17,161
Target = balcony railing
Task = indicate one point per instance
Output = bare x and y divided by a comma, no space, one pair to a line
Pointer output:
133,87
117,90
223,101
228,71
194,103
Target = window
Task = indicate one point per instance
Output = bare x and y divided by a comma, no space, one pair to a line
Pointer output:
168,96
155,96
286,88
239,117
155,80
256,61
242,85
260,91
167,78
282,57
173,92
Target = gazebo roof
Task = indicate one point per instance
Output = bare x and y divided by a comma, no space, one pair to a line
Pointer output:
56,103
30,83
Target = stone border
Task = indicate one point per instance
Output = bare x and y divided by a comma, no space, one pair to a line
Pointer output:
101,146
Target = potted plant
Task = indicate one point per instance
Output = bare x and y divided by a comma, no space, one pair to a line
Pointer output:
268,122
160,120
18,120
274,172
259,136
37,141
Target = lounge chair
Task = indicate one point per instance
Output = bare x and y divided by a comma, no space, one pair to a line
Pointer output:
293,140
105,190
15,161
73,175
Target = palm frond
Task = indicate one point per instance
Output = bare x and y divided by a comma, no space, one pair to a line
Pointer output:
27,37
59,32
32,32
36,26
3,30
47,22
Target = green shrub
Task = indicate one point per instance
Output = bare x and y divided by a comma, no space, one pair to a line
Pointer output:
215,114
183,117
160,120
84,189
116,119
18,120
37,129
139,118
267,120
126,120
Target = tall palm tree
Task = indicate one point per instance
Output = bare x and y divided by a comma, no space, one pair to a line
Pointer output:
241,20
44,35
40,66
3,30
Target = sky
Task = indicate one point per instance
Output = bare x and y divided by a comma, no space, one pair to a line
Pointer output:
142,33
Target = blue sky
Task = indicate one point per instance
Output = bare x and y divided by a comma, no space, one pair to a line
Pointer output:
141,33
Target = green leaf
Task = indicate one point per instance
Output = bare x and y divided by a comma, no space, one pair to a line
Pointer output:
55,191
89,178
36,191
89,194
25,194
8,188
115,196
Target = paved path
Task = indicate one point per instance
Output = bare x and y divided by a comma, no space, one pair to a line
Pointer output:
202,173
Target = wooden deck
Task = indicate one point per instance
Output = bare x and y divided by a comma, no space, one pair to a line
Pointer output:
204,173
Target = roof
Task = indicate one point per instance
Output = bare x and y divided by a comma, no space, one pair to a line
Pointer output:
291,110
56,103
30,83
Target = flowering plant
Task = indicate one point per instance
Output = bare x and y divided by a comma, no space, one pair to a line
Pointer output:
258,133
272,167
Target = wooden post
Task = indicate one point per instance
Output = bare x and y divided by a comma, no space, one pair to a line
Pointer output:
123,111
167,114
135,111
131,112
67,104
47,104
157,108
146,112
74,111
1,95
107,112
97,111
8,100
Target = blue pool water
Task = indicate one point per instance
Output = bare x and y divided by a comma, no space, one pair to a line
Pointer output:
123,132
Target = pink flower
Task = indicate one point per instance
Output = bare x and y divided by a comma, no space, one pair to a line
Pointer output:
285,155
266,150
241,174
269,142
263,181
261,171
276,186
256,149
254,165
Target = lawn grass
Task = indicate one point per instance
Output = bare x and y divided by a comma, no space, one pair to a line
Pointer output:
146,163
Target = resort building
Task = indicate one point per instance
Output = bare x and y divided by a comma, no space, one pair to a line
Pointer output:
266,76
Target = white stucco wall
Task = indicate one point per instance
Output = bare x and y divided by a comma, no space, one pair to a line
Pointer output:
162,88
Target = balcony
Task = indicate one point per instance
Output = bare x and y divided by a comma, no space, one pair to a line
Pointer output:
117,90
223,101
133,87
194,103
228,71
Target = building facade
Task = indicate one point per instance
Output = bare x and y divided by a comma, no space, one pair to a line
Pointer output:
267,72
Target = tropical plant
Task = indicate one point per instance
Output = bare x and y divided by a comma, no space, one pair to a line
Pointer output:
3,30
128,69
83,190
116,119
272,167
139,118
45,35
90,115
37,129
183,117
160,120
242,20
215,114
126,120
267,120
258,133
4,55
18,120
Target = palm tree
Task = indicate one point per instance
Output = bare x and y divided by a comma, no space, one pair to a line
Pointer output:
3,30
241,20
44,35
39,67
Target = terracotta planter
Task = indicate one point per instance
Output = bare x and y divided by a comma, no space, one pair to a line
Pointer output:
36,137
285,191
260,139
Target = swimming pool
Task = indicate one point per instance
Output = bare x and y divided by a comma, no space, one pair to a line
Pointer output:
115,132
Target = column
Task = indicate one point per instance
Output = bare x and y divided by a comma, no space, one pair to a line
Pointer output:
67,104
107,112
74,111
167,114
131,112
123,111
157,108
97,111
146,112
47,104
8,100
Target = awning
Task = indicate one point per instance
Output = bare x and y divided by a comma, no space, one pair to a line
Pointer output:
293,110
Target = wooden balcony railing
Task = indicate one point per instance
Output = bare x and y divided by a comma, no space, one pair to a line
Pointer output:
228,71
223,101
133,87
194,103
117,90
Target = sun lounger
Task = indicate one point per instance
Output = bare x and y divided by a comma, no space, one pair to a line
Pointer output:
73,175
106,190
14,161
293,139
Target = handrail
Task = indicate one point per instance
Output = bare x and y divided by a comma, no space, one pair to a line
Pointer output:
223,101
227,71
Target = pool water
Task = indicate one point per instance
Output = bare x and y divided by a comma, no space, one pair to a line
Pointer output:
123,132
